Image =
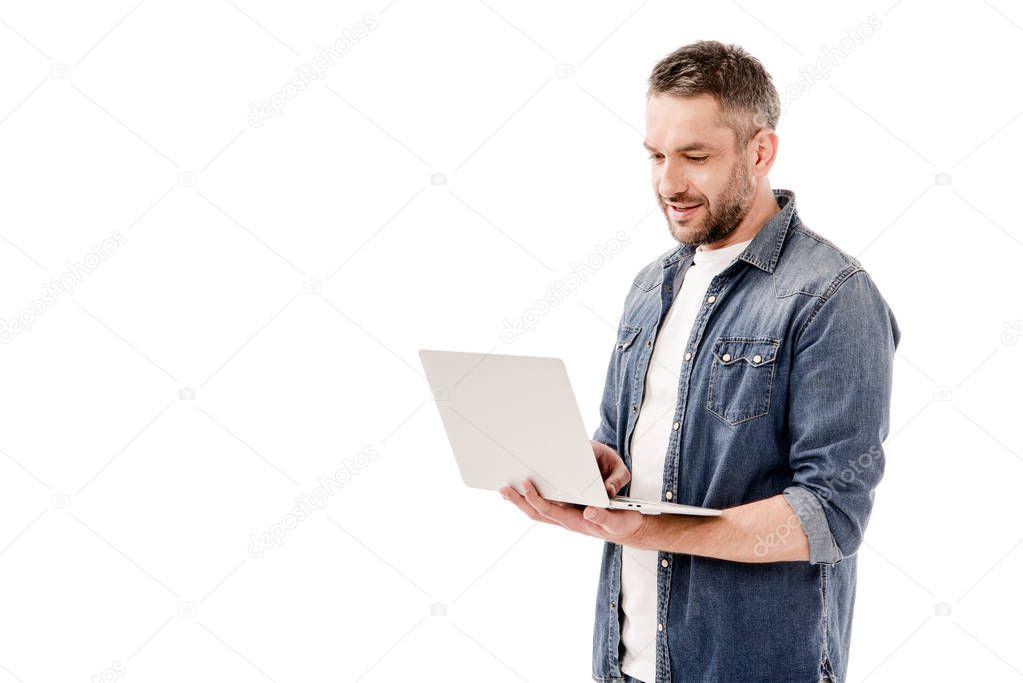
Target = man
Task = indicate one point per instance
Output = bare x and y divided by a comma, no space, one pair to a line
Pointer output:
752,373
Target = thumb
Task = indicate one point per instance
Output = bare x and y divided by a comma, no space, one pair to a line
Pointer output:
595,515
614,484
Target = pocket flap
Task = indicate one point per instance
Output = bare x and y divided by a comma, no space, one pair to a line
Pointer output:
756,352
627,336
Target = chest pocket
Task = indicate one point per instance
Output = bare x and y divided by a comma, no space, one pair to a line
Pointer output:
624,354
741,378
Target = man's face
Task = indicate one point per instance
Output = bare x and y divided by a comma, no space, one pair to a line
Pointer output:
694,162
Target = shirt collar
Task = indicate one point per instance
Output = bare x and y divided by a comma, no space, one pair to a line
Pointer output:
766,246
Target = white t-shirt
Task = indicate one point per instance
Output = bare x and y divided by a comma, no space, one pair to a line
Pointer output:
649,448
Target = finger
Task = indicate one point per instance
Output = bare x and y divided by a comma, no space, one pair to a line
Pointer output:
568,517
607,522
535,500
512,495
612,467
559,503
617,480
516,499
599,452
597,516
627,525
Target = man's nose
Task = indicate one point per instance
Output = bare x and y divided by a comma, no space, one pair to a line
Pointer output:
673,180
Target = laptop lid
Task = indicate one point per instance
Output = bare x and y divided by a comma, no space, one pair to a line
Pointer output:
510,418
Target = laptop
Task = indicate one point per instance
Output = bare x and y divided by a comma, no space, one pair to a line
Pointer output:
510,418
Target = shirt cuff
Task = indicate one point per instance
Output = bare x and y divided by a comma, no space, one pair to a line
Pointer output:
823,549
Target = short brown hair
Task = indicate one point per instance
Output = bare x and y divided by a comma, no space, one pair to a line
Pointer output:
735,78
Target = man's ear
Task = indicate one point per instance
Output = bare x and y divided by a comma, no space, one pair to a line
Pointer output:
763,151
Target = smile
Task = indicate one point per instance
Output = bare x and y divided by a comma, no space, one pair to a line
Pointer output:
683,212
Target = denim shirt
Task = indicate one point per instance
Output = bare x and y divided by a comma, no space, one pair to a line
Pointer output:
784,389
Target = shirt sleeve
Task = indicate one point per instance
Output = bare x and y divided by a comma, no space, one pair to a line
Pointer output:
607,431
823,549
840,391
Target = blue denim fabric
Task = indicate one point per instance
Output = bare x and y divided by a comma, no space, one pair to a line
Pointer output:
786,392
626,678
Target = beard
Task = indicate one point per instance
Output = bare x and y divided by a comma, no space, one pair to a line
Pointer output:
721,221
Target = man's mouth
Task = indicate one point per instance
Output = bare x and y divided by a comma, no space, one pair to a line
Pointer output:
682,211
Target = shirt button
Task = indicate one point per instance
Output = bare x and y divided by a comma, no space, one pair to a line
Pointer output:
756,359
648,342
612,605
667,494
711,299
727,357
688,355
675,426
660,627
633,407
664,563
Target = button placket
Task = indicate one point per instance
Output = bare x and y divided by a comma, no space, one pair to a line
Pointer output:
664,570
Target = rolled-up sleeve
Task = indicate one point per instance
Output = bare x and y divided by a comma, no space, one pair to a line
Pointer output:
839,397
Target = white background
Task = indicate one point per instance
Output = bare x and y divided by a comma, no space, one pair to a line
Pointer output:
128,505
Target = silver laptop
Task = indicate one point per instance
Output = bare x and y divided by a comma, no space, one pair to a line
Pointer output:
510,418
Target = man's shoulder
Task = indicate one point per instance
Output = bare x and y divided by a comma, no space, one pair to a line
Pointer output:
812,264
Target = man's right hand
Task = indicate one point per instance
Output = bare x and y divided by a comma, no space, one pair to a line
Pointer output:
612,468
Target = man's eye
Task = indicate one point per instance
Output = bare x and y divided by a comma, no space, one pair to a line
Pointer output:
698,160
